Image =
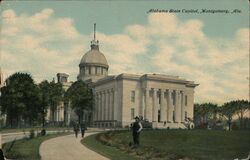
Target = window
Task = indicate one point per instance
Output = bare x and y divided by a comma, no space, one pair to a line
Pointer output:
186,115
63,79
132,113
159,115
86,70
82,70
132,96
185,100
102,70
89,70
173,116
159,96
96,70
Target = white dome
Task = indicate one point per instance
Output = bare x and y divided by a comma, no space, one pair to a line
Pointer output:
94,57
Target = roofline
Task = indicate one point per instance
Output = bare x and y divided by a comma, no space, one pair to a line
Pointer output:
93,64
151,77
104,80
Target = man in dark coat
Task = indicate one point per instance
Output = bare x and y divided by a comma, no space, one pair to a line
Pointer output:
136,129
83,128
1,155
76,129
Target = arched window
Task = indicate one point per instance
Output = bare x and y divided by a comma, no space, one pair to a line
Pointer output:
96,70
83,70
89,70
86,70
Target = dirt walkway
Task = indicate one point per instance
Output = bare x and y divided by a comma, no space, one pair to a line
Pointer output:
68,148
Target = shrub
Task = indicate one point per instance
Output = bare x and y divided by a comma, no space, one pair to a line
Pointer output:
32,134
43,132
234,126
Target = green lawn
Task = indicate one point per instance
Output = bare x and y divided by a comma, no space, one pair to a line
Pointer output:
35,128
26,149
105,150
175,144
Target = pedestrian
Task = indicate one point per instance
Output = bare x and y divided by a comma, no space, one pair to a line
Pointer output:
136,129
1,155
83,128
76,129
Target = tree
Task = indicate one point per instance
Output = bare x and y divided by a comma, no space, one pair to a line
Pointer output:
212,112
228,109
55,96
20,99
44,87
197,114
205,113
81,97
242,106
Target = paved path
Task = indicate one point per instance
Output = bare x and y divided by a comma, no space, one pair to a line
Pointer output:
8,137
68,148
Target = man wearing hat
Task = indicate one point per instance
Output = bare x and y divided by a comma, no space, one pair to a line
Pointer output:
136,129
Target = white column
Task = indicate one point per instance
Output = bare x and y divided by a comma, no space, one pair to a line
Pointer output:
170,106
115,104
111,105
99,107
163,107
142,111
148,107
103,106
107,105
178,109
182,107
155,106
95,107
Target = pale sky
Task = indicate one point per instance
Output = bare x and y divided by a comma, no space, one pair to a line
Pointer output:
212,49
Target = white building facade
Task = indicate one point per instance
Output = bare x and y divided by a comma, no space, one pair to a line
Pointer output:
163,100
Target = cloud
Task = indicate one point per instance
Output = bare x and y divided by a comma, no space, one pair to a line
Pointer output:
43,45
219,65
40,44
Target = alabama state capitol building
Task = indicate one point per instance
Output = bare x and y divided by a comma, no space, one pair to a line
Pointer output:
161,99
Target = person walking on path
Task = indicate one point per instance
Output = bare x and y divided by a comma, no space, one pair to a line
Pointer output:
136,129
76,129
1,155
83,128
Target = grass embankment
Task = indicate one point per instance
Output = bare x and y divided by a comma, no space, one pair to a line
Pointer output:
173,144
27,149
101,147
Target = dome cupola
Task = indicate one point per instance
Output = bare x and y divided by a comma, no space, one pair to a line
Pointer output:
93,65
